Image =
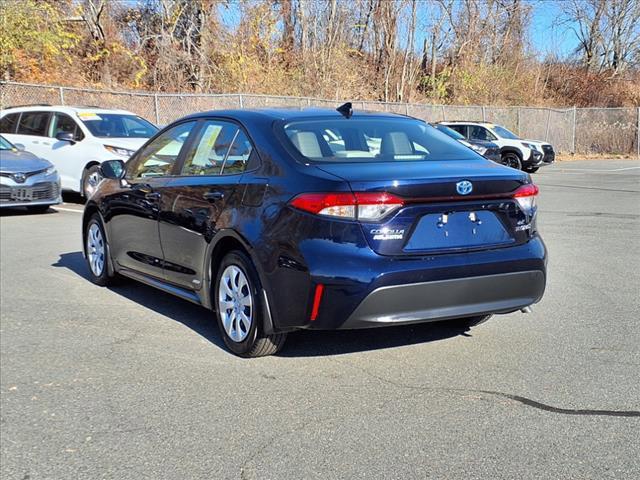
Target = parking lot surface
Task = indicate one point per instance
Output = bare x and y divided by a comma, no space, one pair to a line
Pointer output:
130,383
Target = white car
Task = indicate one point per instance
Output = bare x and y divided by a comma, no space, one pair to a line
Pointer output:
527,155
76,139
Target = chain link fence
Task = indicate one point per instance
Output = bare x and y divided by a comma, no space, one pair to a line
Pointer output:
573,130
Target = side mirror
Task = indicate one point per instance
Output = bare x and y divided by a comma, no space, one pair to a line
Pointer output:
112,169
20,147
66,137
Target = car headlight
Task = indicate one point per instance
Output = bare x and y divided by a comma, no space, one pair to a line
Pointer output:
479,149
123,152
50,171
530,146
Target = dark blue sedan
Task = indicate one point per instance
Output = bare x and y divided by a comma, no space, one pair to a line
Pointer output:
279,220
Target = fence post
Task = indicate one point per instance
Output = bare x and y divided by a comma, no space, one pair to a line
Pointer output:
406,109
443,114
61,95
546,135
638,140
484,114
240,101
573,151
155,107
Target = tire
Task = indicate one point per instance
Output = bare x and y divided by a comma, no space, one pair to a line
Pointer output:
469,322
38,209
97,252
512,159
239,308
90,180
531,169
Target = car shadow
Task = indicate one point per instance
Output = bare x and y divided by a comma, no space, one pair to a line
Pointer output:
22,211
303,343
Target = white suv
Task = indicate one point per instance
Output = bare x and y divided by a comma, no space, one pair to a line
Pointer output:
76,139
527,155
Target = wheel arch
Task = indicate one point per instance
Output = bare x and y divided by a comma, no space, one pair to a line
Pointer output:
511,149
225,241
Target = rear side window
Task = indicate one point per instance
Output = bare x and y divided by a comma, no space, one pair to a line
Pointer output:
9,122
461,129
33,123
371,140
222,148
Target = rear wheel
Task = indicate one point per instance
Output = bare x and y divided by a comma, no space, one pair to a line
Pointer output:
532,169
38,208
511,159
90,180
239,308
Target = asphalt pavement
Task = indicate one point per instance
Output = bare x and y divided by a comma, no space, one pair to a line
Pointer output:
131,383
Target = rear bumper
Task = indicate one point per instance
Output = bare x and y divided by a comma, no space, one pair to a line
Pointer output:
363,289
445,299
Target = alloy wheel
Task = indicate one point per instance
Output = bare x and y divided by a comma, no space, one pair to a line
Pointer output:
235,303
95,249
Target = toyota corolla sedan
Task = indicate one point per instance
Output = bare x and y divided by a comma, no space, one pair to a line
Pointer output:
278,220
26,180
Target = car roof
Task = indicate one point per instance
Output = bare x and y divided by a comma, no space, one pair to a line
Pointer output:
463,122
69,109
289,113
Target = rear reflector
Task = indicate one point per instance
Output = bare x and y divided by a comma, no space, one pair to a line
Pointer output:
366,206
317,298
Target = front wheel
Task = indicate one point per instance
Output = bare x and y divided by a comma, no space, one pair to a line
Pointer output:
532,169
512,160
239,308
90,181
97,252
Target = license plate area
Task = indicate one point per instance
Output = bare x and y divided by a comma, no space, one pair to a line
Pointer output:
21,194
458,230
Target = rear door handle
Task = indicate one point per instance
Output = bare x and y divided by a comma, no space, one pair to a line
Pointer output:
213,196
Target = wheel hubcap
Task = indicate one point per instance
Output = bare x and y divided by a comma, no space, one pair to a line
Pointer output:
93,179
235,303
95,249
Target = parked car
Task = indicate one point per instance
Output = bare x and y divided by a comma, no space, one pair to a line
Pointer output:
483,147
528,155
76,139
251,213
26,180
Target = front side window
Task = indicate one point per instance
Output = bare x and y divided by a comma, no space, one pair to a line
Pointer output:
504,133
9,122
221,149
158,158
117,125
481,133
63,123
371,140
33,123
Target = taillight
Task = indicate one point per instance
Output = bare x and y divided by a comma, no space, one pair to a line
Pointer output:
363,206
526,197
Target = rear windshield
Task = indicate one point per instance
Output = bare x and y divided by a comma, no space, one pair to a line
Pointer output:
117,125
372,140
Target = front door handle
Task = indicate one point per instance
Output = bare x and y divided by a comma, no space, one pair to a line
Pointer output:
152,196
213,196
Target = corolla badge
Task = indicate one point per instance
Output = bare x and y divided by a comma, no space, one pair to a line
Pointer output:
464,187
